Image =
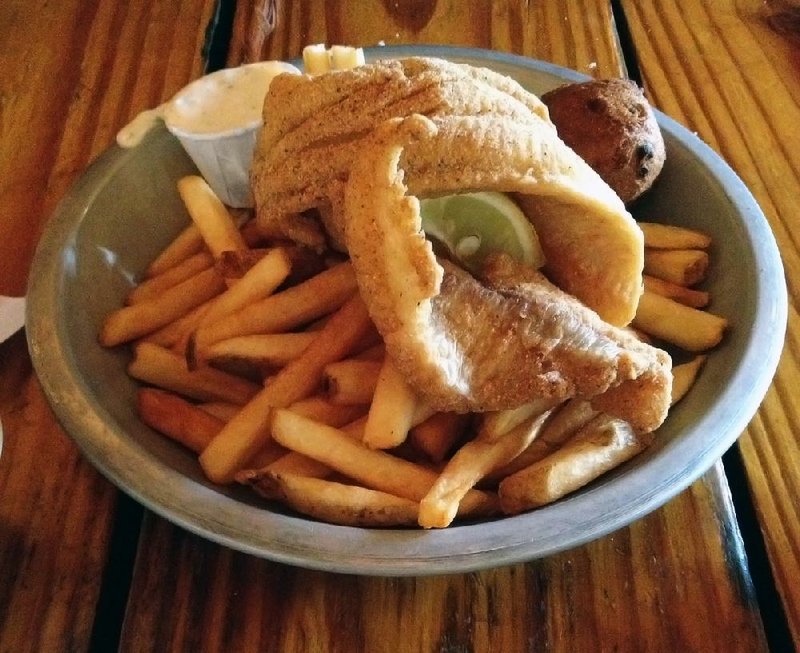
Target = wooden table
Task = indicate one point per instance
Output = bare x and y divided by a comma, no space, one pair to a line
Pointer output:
82,567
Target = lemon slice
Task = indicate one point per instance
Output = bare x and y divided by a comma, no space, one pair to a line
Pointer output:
473,225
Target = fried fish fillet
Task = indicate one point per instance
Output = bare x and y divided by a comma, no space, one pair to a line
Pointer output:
315,126
593,247
468,346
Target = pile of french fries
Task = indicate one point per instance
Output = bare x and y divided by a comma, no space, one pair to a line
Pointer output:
260,356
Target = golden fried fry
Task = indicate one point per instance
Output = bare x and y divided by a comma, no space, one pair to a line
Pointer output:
271,350
175,334
176,418
470,464
295,463
259,282
681,294
222,410
667,236
598,447
188,424
338,503
681,325
187,243
234,446
438,434
497,423
323,411
216,225
684,267
563,423
153,287
162,368
374,469
285,310
135,321
392,410
351,382
684,376
234,264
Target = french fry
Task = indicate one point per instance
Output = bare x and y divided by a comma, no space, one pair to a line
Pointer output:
249,430
305,262
377,470
176,418
285,310
172,335
222,410
294,463
345,57
438,434
564,422
684,267
165,369
687,327
216,225
392,410
132,322
684,376
666,236
470,464
188,242
316,59
323,411
259,282
681,294
351,382
234,263
271,350
497,423
153,287
601,445
337,503
297,463
188,424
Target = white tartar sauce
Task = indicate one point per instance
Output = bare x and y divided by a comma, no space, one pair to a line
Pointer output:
222,101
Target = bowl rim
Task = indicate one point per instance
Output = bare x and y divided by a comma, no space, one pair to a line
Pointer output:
461,548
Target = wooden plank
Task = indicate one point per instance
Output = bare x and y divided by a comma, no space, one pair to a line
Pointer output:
720,69
648,587
676,580
73,73
576,35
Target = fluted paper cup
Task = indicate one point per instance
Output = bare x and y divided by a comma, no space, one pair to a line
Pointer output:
224,160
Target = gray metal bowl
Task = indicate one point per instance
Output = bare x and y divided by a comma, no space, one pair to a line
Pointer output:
125,208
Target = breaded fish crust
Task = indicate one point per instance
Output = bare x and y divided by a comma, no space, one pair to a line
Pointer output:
471,346
315,126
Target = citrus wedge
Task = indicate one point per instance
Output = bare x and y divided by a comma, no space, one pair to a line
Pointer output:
473,225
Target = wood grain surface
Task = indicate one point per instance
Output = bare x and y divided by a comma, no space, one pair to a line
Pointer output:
676,580
721,69
73,73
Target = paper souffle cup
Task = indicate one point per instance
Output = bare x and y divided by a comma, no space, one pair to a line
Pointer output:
224,159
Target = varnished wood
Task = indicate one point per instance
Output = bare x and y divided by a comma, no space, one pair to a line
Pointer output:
73,73
720,69
650,587
676,580
577,35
